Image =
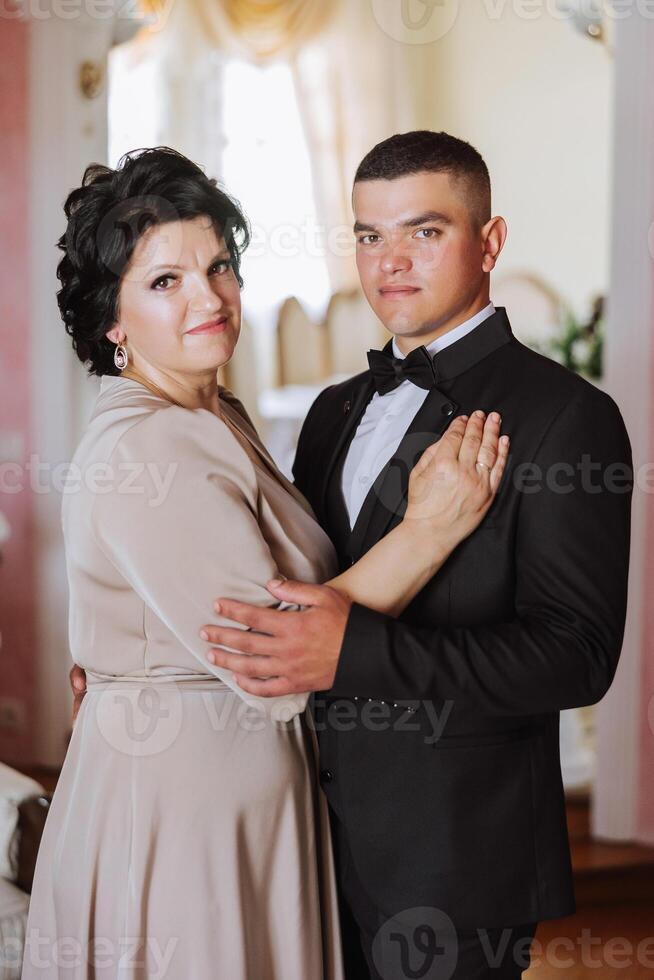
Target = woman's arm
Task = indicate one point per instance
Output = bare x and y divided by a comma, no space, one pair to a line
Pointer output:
179,545
449,494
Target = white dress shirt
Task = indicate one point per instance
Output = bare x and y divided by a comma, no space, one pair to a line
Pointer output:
386,421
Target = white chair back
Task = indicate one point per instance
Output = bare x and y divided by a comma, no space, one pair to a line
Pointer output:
241,375
352,329
303,348
535,310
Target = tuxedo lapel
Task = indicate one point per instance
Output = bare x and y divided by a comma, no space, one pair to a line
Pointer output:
385,505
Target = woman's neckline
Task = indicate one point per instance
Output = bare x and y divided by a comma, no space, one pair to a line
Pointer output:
159,393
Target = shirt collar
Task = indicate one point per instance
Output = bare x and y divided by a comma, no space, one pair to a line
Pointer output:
469,350
453,335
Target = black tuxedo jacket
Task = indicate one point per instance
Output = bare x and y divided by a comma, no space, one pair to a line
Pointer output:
439,740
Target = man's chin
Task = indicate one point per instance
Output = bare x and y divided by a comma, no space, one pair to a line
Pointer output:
404,326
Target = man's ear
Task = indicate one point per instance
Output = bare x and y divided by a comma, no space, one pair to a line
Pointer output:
116,335
493,236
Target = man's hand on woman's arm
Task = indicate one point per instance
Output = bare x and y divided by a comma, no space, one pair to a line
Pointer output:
78,684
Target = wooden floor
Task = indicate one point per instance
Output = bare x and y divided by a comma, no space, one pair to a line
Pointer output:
599,943
612,935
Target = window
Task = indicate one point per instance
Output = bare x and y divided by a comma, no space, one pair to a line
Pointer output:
266,165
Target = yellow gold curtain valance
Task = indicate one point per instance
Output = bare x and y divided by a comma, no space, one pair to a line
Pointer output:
260,29
273,27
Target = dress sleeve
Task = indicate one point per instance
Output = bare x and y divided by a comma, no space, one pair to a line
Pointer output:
178,519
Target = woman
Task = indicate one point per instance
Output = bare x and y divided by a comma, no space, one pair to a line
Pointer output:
186,837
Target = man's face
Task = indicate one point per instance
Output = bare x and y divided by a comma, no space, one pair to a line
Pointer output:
419,252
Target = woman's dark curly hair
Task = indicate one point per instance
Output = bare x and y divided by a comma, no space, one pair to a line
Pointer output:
106,217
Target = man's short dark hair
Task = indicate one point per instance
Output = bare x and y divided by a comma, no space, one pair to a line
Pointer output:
424,151
108,214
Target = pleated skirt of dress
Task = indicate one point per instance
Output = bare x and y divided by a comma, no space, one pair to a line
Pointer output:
187,838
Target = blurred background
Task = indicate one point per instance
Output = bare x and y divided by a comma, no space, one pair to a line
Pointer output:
280,99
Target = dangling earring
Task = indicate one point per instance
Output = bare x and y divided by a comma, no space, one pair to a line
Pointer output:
121,357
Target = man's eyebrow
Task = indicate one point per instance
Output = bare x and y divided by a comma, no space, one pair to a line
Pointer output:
425,218
415,222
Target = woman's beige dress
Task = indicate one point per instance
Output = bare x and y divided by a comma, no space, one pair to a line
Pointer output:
187,839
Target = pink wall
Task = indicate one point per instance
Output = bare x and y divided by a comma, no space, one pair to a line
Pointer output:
18,654
645,815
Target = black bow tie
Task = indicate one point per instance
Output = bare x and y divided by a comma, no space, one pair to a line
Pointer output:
388,372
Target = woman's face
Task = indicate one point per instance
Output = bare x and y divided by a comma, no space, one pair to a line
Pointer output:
179,301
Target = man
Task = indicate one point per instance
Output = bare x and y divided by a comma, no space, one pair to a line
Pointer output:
438,731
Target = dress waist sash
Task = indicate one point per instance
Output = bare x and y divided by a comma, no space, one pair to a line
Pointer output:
96,681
